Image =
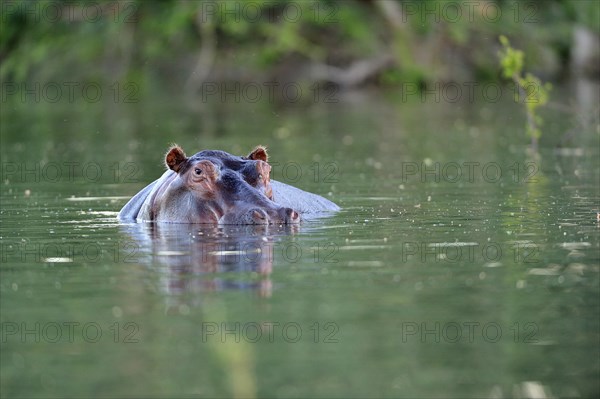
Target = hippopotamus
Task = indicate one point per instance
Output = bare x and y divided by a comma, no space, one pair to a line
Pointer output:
220,188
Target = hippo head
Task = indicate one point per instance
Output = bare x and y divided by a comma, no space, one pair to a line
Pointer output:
254,168
234,190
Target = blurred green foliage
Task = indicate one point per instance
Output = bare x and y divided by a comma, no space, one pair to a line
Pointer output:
534,93
138,39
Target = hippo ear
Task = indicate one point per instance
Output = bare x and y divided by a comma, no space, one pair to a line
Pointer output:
259,153
175,158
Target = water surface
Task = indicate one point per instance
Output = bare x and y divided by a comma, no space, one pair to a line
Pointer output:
461,265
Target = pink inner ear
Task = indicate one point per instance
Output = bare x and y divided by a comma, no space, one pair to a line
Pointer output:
175,158
259,153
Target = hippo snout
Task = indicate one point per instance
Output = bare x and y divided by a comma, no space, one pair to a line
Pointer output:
283,216
275,216
261,216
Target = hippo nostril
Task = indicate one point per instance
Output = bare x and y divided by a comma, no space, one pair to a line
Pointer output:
291,215
258,215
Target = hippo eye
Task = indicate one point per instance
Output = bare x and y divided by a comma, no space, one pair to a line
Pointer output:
198,172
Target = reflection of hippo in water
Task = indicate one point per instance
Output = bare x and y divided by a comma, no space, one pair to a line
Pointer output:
189,260
217,187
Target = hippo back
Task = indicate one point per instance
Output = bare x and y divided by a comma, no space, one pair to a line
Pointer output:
300,200
131,210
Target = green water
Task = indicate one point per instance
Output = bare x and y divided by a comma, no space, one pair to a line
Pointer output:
479,284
